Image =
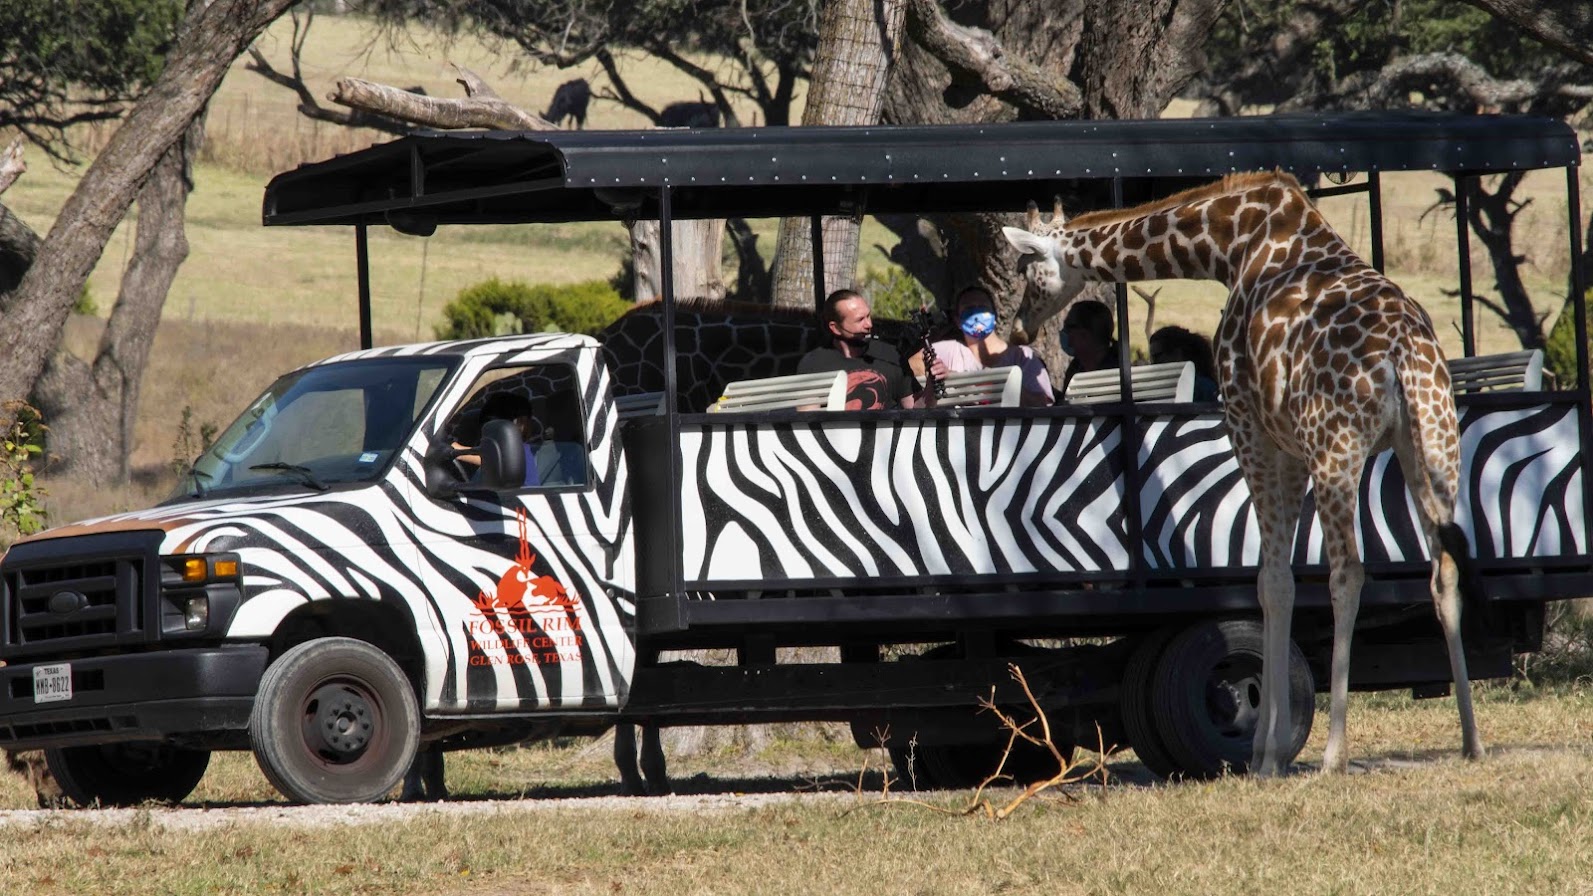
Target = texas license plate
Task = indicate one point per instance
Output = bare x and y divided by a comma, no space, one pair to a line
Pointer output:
52,683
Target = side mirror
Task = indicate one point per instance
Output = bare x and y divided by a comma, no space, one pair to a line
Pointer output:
502,451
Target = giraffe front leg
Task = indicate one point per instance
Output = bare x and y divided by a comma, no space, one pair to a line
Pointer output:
1337,493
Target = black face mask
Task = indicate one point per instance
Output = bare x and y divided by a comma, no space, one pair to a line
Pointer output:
856,340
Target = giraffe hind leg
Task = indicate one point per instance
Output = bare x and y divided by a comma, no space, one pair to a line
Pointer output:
1337,484
1451,555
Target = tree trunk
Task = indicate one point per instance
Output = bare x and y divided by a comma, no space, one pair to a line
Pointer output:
92,406
19,245
33,315
858,43
699,261
969,64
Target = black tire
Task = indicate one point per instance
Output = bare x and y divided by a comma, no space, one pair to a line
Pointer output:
335,721
1135,703
126,774
1206,697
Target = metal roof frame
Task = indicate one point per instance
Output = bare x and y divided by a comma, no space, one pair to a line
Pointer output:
437,177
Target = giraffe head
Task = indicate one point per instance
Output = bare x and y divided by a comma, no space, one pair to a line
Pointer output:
1041,257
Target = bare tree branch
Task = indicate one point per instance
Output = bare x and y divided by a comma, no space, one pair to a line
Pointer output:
447,114
622,92
976,52
1460,75
1567,27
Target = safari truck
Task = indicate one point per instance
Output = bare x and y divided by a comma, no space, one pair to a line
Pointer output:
332,586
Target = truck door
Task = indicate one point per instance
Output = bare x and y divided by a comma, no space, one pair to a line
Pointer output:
531,587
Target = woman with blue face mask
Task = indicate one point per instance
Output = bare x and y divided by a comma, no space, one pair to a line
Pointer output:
974,314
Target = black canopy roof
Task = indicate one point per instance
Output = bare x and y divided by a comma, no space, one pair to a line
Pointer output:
548,176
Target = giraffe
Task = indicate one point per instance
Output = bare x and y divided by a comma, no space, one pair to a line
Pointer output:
1322,362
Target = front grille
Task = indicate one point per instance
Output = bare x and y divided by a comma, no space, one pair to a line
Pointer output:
74,604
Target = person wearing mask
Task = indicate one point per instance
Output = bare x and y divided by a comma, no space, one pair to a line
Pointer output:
980,348
876,378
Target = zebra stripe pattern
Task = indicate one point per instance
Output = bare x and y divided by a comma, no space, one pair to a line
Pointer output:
909,499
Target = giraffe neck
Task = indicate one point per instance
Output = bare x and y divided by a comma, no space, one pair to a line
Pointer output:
1235,237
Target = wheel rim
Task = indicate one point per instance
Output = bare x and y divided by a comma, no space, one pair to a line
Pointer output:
1233,697
341,722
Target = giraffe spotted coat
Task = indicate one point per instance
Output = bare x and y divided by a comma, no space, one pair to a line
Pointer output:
1322,362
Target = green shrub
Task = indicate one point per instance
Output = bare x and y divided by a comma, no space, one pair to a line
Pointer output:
893,293
21,497
497,308
1559,354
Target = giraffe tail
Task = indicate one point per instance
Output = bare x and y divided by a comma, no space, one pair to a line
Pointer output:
1440,498
1473,606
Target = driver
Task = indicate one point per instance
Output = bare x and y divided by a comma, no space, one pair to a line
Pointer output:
515,408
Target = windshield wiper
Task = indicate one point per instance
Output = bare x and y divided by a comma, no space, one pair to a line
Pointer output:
199,485
304,474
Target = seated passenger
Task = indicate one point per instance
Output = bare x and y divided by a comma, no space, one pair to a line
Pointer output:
1088,338
876,378
561,456
980,348
1170,344
515,408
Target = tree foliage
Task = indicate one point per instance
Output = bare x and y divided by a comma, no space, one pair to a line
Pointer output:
62,63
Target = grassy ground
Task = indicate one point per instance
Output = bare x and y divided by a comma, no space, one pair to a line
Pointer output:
1416,819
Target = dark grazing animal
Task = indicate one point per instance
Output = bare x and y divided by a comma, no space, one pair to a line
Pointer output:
570,101
689,115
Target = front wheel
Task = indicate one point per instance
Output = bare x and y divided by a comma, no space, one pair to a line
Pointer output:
335,721
126,774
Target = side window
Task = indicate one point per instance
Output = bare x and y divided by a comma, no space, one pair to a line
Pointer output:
545,402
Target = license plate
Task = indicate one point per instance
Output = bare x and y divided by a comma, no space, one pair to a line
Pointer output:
52,683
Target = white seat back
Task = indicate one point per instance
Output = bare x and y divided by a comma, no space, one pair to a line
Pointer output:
997,386
1521,370
1174,381
644,404
826,391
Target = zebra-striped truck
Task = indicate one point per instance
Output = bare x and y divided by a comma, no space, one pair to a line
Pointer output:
334,585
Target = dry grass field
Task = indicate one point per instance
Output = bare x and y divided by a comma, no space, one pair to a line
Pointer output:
1413,818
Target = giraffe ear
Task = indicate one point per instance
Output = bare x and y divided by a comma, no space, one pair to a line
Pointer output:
1032,219
1025,242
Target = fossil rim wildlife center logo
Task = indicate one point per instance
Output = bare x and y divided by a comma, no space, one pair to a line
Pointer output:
525,605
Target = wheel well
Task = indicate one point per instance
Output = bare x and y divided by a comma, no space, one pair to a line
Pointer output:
382,624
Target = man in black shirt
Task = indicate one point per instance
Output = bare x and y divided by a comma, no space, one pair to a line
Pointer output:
876,378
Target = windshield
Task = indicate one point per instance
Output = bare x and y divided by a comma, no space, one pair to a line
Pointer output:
319,427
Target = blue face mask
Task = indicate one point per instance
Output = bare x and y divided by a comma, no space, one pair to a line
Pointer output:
979,324
1067,344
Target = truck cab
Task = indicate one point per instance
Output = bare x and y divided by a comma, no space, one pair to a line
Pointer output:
337,506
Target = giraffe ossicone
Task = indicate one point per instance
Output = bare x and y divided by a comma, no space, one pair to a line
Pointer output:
1322,362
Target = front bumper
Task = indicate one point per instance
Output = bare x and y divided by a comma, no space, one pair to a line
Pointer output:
185,694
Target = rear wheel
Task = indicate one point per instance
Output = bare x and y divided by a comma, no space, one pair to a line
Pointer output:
1206,697
1135,703
126,774
335,721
